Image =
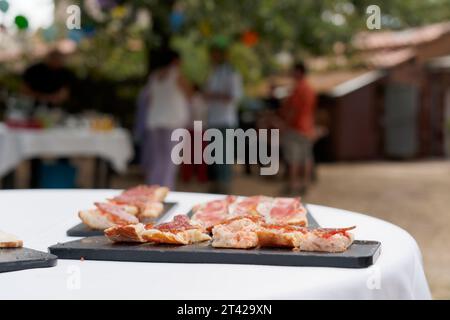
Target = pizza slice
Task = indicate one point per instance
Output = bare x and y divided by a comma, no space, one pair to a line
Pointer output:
237,233
9,241
303,239
154,192
107,215
128,233
213,212
247,206
146,199
270,235
180,231
327,240
283,211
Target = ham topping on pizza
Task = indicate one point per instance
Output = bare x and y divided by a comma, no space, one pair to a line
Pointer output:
116,213
273,210
143,190
283,211
180,231
179,223
142,194
247,206
213,212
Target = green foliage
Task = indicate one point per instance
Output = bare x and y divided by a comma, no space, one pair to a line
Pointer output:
195,58
306,27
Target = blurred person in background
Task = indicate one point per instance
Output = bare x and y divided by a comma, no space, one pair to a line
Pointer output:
167,109
48,82
198,113
223,91
297,115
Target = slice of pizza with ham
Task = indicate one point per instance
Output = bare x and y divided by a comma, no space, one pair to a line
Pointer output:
180,231
213,212
128,233
273,210
130,207
146,199
248,206
304,239
107,215
283,211
237,233
153,192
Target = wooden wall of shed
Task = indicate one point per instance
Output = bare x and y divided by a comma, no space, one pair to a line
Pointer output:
431,87
354,124
434,104
437,48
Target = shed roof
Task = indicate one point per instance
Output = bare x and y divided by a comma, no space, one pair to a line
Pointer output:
377,40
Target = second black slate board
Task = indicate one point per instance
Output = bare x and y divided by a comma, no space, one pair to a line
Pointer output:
82,230
361,254
15,259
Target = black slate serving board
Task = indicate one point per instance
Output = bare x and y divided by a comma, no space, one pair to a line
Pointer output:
15,259
361,254
82,230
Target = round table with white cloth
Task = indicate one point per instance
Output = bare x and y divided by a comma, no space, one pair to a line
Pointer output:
16,145
41,219
10,155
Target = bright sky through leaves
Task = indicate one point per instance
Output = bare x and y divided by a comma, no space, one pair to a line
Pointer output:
38,12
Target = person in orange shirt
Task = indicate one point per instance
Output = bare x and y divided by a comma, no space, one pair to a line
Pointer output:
298,131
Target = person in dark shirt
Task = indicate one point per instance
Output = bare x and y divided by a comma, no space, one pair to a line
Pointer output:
48,81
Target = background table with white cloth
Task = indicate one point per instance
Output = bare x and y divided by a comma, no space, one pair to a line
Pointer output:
114,146
41,218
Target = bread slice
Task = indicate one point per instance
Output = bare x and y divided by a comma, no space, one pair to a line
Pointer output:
129,233
9,241
95,220
237,233
275,236
179,231
327,240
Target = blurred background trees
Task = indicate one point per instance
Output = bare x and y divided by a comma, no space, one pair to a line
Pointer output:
124,41
120,40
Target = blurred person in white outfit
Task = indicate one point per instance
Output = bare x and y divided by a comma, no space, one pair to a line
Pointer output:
223,93
168,109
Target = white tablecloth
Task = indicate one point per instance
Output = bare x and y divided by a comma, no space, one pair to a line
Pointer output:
10,155
41,218
16,145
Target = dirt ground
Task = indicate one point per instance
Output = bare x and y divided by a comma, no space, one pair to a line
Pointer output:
412,195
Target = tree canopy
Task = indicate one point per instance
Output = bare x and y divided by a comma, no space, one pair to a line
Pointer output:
255,30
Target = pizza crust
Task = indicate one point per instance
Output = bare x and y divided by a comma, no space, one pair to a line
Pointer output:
179,238
271,238
130,233
95,220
